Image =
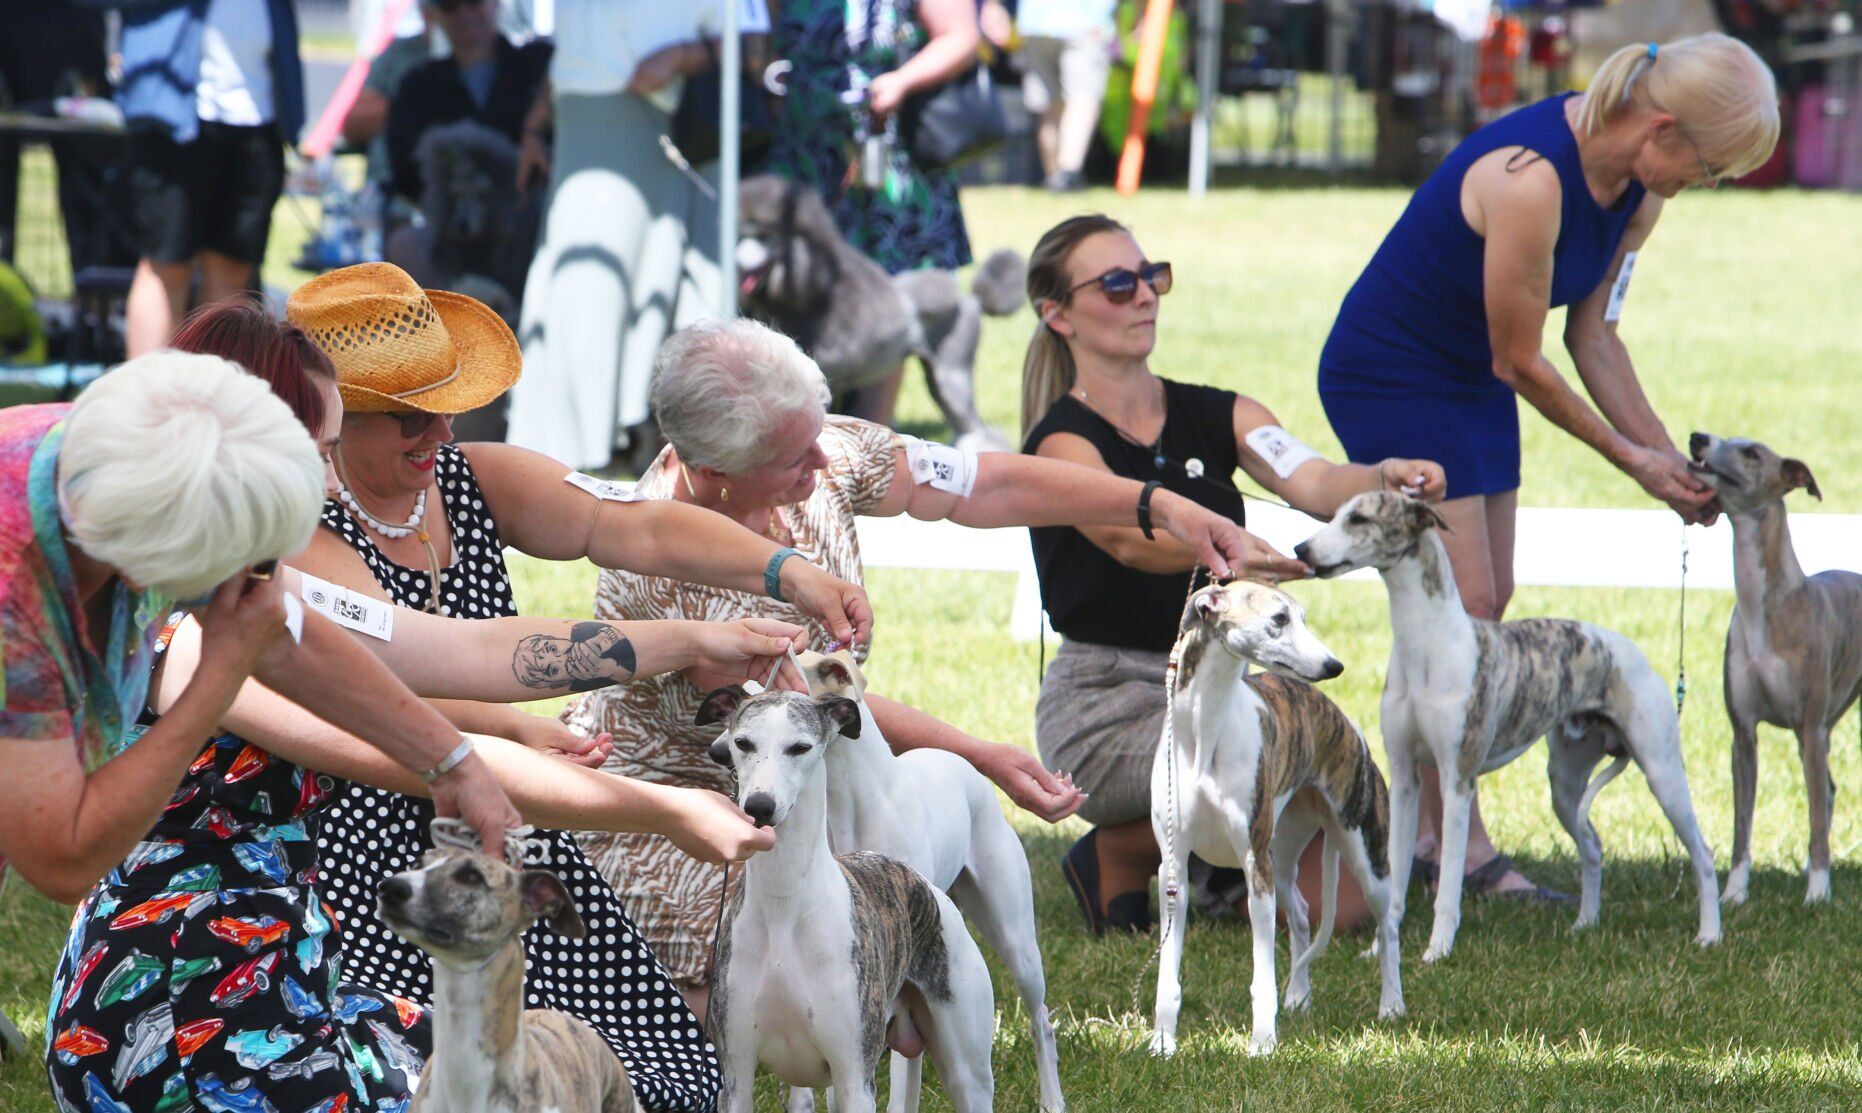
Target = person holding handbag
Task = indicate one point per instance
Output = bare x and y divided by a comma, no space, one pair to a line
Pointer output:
628,251
855,64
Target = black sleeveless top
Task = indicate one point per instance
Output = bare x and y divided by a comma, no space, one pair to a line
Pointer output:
1088,595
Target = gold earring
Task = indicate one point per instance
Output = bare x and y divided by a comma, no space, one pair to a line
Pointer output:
724,494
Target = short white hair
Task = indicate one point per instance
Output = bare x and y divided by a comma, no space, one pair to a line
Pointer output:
178,470
722,389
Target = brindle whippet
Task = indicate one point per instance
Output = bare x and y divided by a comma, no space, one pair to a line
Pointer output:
490,1054
824,960
1793,649
1256,766
933,811
1468,696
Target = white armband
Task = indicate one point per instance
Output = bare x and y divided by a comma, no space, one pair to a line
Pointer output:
605,489
349,609
1283,451
941,466
1613,309
294,617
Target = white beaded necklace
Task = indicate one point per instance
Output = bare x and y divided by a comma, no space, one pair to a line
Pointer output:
415,524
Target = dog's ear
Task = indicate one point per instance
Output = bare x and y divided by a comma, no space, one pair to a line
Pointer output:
720,705
842,712
546,898
1209,602
834,672
1797,474
1423,516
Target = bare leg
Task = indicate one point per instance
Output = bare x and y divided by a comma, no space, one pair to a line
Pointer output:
876,401
1353,910
696,997
1128,858
222,276
157,302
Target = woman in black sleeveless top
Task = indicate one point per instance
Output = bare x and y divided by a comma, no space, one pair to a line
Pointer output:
1089,396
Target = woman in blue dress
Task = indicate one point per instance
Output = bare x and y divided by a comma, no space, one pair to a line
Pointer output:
1543,208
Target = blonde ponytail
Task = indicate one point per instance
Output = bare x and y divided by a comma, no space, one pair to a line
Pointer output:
1047,369
1719,91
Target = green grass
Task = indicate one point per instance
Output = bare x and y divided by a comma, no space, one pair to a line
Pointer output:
1741,317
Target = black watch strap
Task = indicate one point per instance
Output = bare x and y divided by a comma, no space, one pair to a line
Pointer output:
1144,509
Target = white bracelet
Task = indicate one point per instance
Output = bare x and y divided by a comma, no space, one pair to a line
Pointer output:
450,762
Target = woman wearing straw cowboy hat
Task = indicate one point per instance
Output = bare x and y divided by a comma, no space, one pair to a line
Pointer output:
423,522
1545,207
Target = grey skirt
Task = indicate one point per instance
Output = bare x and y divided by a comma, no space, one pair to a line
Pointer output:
1099,717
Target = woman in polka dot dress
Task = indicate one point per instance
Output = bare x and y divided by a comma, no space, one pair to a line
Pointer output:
424,523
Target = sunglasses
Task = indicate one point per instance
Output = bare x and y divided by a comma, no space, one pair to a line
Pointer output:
1120,284
416,424
450,6
1710,177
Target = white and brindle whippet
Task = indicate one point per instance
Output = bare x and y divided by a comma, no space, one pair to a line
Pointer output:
1468,696
1793,650
933,811
490,1054
826,959
1257,765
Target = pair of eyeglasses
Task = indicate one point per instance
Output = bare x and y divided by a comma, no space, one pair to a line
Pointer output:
416,424
1120,284
1712,177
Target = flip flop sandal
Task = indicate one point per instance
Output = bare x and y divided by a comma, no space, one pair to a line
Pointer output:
1423,870
1481,882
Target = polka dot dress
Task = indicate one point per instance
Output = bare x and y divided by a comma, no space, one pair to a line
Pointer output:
609,978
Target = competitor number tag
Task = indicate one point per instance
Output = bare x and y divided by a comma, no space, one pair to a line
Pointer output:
1283,451
604,489
1613,309
941,466
349,609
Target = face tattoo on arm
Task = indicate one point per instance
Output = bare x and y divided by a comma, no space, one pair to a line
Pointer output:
594,655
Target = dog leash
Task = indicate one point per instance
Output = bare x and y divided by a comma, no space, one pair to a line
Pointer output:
1681,636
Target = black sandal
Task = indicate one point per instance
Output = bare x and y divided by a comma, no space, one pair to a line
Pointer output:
1481,882
1128,912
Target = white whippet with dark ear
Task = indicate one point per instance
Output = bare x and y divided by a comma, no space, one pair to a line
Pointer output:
1467,696
1793,650
1253,768
826,959
933,811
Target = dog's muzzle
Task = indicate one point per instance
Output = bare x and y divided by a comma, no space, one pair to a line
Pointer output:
761,808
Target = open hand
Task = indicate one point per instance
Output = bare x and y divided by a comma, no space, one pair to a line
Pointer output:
1021,775
554,737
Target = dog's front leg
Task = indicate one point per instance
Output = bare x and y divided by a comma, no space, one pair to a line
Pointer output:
1457,807
1262,988
1405,808
1813,749
1174,904
1741,708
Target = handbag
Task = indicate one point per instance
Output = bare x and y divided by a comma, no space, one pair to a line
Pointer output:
954,123
696,129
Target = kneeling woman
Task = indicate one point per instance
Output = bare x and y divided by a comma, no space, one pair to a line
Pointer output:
1114,592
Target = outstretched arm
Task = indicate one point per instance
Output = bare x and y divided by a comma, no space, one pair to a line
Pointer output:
1013,769
1318,486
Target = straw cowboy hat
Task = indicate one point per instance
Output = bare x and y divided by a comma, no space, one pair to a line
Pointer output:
398,347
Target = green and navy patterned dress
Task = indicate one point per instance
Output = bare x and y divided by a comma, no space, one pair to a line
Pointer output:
913,220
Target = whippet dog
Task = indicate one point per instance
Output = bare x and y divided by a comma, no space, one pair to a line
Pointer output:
490,1054
1254,767
1793,650
1468,696
824,960
933,811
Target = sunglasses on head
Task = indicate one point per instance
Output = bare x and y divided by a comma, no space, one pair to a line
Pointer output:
416,424
1120,284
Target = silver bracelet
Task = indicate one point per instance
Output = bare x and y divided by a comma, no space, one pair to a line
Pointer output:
450,762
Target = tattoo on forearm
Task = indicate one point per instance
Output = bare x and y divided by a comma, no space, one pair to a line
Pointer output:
594,655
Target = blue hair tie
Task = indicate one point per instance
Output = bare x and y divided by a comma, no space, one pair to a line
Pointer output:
1652,47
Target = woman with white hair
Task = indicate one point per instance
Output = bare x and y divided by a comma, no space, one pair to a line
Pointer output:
746,414
1545,207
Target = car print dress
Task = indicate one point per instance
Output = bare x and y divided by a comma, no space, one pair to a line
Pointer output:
204,972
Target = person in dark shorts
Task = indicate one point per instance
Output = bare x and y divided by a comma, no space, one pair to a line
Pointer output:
212,91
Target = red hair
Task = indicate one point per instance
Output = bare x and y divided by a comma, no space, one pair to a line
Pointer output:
277,351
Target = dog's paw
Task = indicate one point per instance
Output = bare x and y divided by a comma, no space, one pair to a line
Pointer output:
1818,891
1732,897
1707,939
1583,923
1297,1001
1262,1043
1436,952
1163,1045
1395,1010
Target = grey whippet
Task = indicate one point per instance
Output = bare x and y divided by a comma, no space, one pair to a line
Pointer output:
490,1054
1255,766
826,959
1468,696
1793,649
933,811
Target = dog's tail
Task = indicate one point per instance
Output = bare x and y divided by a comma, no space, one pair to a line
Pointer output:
1001,283
1329,887
1596,785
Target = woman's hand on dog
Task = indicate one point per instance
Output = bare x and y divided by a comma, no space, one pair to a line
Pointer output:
712,828
554,737
1422,479
1052,796
1221,545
